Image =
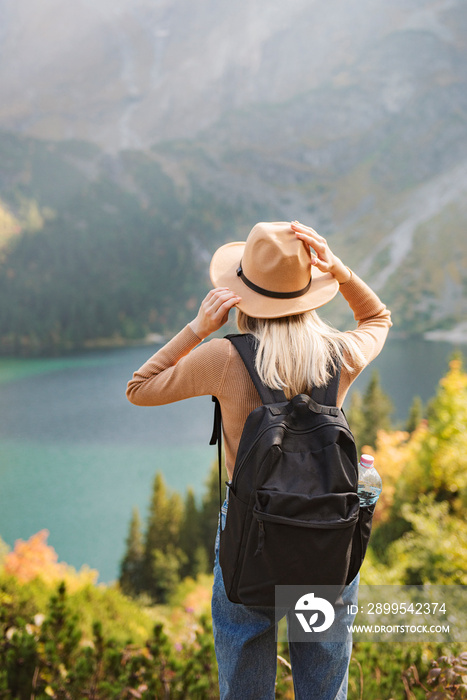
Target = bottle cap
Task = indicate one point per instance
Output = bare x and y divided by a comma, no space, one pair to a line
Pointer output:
367,461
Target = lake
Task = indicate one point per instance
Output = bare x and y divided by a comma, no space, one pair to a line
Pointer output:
76,456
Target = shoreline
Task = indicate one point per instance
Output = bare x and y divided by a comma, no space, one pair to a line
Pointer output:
456,335
109,343
453,336
115,343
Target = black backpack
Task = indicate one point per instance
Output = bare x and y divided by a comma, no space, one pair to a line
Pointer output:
294,516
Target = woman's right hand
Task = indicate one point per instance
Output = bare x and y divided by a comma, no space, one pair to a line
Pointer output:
324,258
214,311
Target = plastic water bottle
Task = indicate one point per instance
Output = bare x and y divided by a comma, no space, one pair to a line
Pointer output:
369,481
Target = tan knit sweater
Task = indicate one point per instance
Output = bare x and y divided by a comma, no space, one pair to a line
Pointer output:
215,368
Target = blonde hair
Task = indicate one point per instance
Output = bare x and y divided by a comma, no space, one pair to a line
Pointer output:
297,353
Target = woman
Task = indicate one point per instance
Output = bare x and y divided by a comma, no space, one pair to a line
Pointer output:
276,279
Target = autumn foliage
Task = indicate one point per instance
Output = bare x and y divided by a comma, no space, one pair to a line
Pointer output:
34,558
420,533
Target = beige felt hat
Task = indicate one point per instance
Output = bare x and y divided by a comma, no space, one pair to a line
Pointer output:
272,272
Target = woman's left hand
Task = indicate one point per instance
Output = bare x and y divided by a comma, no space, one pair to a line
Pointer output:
324,258
214,311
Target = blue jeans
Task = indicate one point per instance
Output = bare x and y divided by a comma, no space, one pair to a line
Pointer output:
246,648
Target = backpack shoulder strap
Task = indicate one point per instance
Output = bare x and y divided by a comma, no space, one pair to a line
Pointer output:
246,345
216,437
327,395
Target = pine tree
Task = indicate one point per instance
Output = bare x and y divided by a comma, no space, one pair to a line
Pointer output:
190,538
444,456
415,415
60,631
163,558
165,572
131,568
356,419
377,409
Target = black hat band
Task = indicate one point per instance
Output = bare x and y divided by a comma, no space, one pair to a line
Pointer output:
267,292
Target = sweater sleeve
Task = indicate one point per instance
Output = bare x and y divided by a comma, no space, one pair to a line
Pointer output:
372,316
180,370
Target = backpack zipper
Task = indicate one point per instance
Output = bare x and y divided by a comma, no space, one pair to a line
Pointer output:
260,435
259,548
313,524
242,463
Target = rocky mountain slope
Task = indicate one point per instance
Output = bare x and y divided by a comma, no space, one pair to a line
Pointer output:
349,115
127,73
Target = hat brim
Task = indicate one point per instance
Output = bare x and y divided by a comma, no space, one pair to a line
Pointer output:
223,273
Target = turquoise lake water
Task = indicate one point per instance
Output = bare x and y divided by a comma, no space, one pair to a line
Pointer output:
76,456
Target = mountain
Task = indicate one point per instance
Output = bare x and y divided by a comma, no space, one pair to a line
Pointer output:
206,117
100,248
128,73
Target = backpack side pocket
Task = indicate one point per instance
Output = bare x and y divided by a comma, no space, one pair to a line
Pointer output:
360,540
